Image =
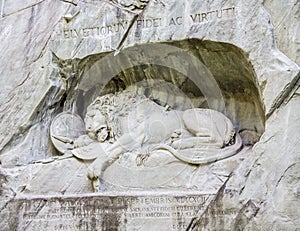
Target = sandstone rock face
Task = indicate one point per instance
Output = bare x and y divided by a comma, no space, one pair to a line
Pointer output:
239,58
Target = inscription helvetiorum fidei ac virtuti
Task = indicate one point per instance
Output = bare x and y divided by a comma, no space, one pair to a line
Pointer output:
149,115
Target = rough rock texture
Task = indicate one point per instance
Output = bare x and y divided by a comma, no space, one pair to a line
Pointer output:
286,26
53,51
265,187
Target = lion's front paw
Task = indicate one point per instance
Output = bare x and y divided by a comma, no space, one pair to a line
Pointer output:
94,171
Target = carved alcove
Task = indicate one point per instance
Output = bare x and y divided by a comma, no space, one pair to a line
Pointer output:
179,75
227,64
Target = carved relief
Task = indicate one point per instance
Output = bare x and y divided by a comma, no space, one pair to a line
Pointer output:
128,130
64,129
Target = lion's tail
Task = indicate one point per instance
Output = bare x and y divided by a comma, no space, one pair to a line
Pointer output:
221,154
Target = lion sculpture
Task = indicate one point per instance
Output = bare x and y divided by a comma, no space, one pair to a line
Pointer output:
129,123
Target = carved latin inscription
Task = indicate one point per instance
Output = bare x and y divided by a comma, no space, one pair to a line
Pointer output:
114,212
113,28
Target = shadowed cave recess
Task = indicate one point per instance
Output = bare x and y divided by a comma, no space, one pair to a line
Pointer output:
228,66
